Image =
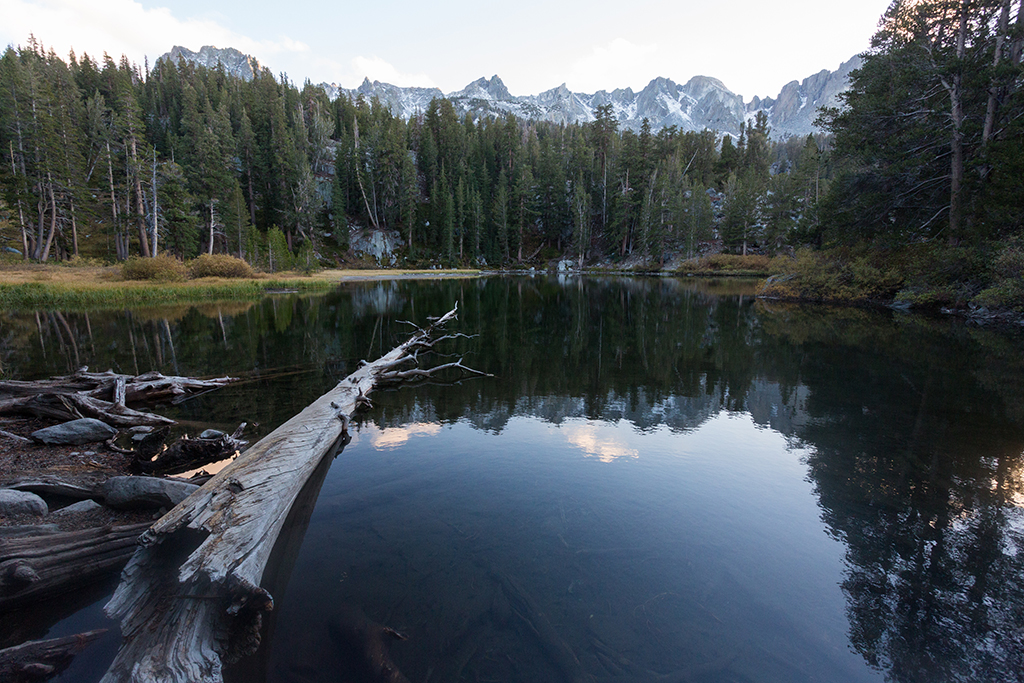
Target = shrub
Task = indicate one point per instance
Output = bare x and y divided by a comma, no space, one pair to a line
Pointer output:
727,263
82,262
163,267
307,262
832,276
219,265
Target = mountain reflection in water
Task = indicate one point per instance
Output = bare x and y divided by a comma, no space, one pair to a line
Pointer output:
664,477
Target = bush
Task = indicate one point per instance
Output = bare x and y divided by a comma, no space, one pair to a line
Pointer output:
727,263
164,268
82,262
219,265
832,276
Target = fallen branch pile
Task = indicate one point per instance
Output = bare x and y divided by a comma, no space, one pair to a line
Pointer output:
101,395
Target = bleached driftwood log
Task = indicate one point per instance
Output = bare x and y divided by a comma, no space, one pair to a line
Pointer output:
189,600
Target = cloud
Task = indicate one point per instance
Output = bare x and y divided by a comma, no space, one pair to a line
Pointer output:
617,62
123,27
377,69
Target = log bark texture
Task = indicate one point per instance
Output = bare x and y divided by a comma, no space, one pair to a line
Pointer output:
37,567
190,599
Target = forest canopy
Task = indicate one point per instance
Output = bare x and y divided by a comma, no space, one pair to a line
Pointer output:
106,159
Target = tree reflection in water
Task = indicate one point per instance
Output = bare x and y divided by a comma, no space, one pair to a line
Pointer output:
914,427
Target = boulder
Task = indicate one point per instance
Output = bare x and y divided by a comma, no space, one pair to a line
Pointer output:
14,503
125,493
81,507
75,432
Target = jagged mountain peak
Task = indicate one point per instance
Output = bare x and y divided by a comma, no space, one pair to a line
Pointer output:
484,89
702,102
234,61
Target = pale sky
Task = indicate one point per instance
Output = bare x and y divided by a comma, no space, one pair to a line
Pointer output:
753,46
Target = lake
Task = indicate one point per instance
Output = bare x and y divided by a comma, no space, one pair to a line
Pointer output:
665,480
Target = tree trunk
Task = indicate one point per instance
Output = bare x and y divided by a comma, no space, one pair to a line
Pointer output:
21,210
140,214
53,222
212,215
994,89
956,172
156,231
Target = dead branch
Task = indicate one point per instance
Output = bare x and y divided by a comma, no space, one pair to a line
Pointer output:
39,660
419,374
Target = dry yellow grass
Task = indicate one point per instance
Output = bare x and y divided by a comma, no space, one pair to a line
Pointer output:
110,276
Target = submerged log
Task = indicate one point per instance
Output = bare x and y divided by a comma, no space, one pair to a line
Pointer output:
537,625
364,645
40,566
189,600
40,660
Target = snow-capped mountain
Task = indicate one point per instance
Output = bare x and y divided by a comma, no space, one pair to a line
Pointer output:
794,110
702,102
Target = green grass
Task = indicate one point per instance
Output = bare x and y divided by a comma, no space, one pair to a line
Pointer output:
56,295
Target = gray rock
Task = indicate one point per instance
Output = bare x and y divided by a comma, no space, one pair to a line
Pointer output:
81,507
21,503
75,432
125,493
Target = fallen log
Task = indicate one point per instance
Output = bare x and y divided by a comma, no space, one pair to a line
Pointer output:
189,600
71,406
75,487
101,395
116,388
40,660
187,454
41,566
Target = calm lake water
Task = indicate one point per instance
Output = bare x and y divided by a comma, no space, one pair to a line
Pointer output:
666,480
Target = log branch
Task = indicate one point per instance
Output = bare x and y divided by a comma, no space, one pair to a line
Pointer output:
40,660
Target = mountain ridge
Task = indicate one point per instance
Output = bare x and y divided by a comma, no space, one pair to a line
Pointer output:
702,102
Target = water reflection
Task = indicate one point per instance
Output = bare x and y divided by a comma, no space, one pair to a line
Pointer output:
679,474
598,440
393,437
